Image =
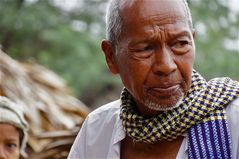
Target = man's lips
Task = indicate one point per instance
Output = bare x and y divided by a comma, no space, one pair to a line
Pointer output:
164,90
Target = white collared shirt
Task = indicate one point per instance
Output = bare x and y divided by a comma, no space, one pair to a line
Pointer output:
102,133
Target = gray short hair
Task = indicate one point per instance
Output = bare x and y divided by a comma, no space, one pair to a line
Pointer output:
114,21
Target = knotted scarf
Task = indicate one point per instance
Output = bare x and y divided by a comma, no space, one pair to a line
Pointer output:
204,102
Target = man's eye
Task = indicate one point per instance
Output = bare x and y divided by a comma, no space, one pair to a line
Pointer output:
146,48
181,46
143,51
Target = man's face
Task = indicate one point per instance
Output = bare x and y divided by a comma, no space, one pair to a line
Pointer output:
155,54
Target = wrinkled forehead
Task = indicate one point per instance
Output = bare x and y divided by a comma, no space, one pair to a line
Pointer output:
162,11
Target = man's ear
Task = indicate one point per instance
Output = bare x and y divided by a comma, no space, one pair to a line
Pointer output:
109,52
194,33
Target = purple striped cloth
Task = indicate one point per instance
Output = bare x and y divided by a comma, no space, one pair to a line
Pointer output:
210,140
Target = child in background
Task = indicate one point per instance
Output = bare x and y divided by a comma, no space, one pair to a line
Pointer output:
13,130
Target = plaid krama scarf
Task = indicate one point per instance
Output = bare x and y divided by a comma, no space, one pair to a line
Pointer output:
201,112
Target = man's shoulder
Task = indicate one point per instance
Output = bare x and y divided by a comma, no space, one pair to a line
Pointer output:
233,107
107,108
232,111
105,112
97,133
235,102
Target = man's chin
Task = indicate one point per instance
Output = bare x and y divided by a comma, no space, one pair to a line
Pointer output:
164,104
163,107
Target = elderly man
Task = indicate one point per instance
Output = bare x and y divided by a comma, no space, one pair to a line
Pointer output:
166,110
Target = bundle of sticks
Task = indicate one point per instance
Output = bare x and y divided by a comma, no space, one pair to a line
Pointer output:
53,113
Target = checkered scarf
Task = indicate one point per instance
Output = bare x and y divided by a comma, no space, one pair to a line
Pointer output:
204,102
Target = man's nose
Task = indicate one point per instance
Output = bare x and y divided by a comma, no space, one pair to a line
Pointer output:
164,63
2,153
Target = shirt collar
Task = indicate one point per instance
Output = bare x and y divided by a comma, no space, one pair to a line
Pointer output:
119,132
120,135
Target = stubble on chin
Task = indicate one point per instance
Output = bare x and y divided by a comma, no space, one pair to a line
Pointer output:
163,104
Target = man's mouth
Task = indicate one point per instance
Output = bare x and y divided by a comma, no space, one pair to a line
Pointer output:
164,90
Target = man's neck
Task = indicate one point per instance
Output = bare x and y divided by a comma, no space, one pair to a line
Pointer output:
140,150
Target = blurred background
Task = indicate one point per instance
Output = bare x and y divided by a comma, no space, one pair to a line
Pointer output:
65,35
54,67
